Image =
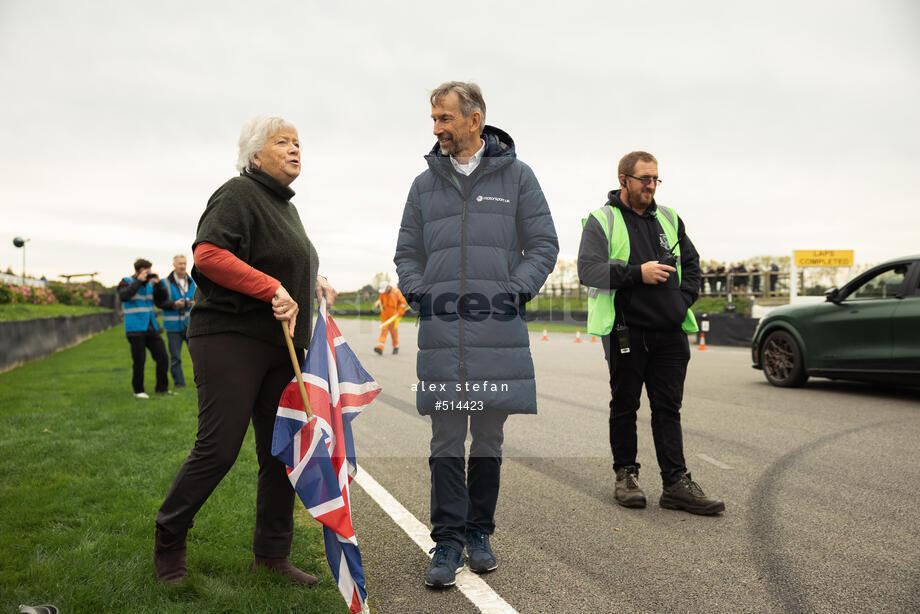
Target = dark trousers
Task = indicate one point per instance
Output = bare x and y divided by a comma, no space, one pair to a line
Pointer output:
139,346
174,339
239,379
659,360
459,502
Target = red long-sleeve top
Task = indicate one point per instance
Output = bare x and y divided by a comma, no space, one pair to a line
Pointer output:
223,268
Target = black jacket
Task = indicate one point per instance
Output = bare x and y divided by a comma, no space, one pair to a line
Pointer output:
655,307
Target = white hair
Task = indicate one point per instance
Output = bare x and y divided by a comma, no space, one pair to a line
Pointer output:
253,136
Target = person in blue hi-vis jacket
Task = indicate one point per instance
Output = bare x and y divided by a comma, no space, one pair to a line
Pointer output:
138,294
176,305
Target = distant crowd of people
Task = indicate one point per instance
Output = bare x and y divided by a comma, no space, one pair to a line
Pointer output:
737,278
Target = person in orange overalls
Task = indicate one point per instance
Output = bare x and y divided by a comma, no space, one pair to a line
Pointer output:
392,306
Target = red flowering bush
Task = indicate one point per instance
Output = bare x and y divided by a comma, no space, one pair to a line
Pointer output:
74,294
33,295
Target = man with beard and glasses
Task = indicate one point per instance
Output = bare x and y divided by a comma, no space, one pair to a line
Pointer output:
476,242
643,274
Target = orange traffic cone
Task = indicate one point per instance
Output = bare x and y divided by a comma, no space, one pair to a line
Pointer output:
545,336
593,339
702,345
577,335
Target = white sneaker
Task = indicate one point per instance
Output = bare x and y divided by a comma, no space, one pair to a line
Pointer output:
141,395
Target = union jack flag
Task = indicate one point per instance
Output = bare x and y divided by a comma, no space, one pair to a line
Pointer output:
320,453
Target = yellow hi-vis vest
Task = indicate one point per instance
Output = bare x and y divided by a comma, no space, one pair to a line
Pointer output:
601,311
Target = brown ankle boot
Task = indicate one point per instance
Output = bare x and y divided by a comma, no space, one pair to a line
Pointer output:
169,557
284,567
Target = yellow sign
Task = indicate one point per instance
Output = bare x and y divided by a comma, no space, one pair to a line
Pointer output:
824,257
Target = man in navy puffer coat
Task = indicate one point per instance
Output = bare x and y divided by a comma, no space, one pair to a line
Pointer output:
476,242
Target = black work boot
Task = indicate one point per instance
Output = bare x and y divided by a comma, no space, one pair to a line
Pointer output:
169,557
685,494
627,492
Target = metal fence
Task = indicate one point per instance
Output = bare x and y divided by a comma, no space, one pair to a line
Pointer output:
16,280
762,284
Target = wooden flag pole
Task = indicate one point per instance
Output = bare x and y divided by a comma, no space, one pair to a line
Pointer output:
300,384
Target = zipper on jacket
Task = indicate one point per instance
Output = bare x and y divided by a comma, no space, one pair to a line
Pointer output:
461,365
462,294
456,183
462,348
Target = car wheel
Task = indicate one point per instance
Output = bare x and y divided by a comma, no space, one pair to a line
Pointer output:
782,360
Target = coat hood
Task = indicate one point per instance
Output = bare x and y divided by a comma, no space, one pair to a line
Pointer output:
613,199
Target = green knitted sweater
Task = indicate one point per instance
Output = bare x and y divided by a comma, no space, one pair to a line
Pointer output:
252,217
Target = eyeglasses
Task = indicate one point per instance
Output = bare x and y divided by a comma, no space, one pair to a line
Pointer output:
646,179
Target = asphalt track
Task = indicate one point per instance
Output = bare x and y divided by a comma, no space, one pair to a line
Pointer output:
820,485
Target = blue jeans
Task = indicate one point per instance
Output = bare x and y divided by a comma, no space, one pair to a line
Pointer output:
175,339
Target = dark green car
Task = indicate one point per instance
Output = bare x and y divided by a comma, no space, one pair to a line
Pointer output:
869,330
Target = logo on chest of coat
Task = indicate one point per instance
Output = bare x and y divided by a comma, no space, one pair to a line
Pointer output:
663,241
497,199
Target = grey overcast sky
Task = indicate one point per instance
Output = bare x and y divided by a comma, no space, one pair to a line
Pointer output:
778,125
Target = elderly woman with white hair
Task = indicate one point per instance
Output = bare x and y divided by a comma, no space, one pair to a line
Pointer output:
254,265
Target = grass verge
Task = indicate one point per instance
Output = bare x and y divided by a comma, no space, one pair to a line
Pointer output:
553,327
85,467
717,305
26,311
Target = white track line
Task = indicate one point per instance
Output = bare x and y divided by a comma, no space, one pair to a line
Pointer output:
472,586
710,459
